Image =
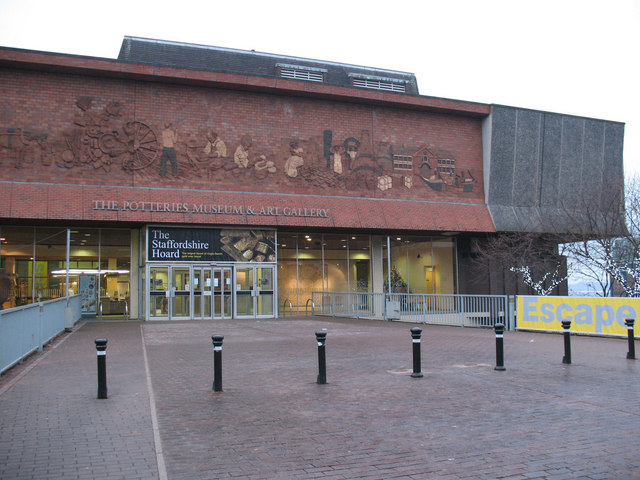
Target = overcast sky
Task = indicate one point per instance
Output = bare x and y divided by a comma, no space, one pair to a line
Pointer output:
575,57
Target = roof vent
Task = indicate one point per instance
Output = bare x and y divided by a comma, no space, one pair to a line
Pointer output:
300,72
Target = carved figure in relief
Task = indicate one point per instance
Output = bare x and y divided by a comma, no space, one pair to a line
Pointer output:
337,151
28,147
351,146
215,146
295,161
169,139
98,135
241,157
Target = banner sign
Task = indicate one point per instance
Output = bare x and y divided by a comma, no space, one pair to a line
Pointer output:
173,244
88,290
597,315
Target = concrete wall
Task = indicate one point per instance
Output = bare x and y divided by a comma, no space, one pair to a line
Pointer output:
538,164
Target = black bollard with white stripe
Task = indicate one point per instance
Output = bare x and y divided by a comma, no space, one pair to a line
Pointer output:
499,328
631,354
217,362
416,334
101,351
566,325
321,338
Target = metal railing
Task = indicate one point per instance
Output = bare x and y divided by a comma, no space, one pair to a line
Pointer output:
306,306
287,307
25,329
284,307
462,310
356,304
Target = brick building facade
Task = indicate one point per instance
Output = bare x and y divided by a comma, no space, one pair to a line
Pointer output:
299,176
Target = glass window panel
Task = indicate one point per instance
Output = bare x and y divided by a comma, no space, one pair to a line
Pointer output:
16,251
287,272
420,263
336,263
399,263
360,263
444,265
115,259
50,252
44,277
310,271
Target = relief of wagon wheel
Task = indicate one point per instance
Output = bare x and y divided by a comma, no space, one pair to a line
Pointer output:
141,145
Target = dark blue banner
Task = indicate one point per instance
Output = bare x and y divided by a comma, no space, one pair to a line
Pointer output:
172,244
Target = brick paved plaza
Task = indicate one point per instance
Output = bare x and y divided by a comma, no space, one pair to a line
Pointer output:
539,419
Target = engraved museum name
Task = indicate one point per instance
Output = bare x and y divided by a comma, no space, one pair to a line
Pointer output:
206,208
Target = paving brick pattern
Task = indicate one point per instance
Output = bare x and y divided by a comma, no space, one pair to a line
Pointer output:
539,419
52,426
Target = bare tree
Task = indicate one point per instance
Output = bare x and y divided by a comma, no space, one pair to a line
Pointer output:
532,256
606,237
586,273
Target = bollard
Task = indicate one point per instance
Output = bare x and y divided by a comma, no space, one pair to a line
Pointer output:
566,324
499,327
217,362
321,338
416,333
101,350
631,354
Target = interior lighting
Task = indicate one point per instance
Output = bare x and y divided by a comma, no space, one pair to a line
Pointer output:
86,271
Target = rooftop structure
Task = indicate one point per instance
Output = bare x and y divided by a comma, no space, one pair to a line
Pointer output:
219,59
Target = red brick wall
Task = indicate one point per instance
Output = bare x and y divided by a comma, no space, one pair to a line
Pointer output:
93,133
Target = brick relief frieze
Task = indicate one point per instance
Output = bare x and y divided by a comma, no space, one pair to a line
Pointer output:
108,140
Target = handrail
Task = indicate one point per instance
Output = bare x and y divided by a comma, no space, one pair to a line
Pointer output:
99,310
284,306
444,309
306,306
126,310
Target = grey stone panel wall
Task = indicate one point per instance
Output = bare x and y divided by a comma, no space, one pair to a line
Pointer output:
569,180
542,163
613,170
550,171
502,146
526,175
593,159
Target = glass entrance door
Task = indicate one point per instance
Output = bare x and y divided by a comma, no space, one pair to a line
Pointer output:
222,292
180,293
158,292
202,288
212,292
207,292
265,299
169,292
255,291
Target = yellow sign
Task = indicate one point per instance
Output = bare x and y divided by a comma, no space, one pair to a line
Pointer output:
587,314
